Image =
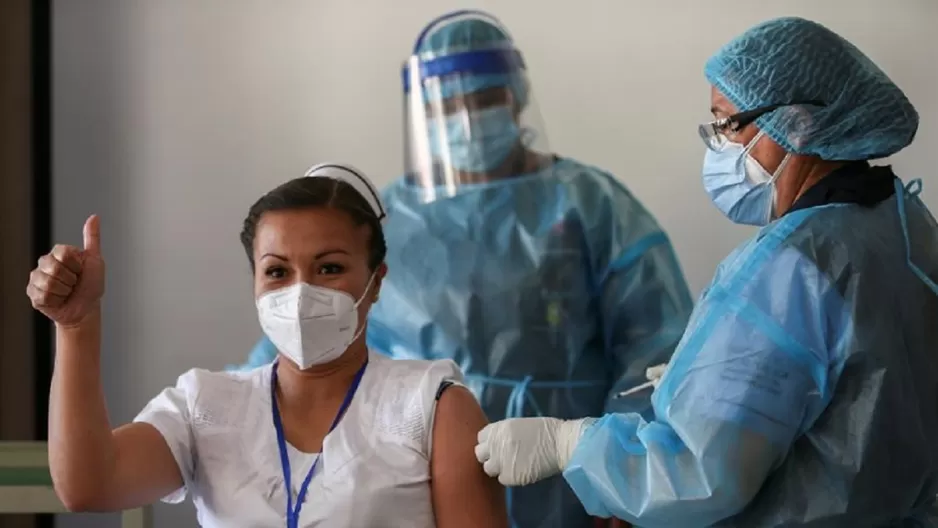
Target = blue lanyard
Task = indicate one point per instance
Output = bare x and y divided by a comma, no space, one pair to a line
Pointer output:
293,515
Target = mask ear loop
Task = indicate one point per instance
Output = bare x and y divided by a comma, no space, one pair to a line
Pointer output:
752,142
781,166
775,175
371,280
361,327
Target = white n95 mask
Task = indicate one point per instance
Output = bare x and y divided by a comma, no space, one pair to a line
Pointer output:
310,325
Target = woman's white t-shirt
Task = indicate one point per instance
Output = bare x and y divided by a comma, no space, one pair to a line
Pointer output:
375,465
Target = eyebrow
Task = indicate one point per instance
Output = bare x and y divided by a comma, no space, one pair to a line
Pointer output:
718,110
265,255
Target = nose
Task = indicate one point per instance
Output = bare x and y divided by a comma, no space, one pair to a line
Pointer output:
308,274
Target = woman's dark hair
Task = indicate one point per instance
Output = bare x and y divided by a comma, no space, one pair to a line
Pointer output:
306,192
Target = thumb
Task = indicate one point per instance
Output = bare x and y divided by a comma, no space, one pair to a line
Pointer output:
92,235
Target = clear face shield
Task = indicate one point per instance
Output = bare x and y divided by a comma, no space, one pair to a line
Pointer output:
470,118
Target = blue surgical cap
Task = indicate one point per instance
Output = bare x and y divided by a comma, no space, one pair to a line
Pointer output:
793,60
466,34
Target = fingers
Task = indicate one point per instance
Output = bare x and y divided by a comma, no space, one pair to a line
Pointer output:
656,372
57,270
92,235
45,282
505,480
492,468
43,299
55,276
483,452
67,256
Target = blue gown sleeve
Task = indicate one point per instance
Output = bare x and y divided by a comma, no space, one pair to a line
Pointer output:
263,353
752,373
645,305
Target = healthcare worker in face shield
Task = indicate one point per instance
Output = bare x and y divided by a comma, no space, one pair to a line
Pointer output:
543,278
805,389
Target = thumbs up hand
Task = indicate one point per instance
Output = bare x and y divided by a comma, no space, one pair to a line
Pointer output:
68,282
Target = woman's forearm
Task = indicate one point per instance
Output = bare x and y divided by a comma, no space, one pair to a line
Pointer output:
82,453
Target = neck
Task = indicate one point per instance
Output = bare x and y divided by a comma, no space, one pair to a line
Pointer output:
816,173
807,172
521,162
301,389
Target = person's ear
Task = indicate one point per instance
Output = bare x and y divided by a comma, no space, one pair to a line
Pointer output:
514,104
380,273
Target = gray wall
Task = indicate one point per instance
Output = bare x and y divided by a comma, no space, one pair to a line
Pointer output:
172,116
16,363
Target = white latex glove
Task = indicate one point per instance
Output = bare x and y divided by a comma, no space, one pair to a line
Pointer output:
655,373
522,451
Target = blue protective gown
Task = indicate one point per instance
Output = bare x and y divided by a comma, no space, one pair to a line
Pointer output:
804,392
552,291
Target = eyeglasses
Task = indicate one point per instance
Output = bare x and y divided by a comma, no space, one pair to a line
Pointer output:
715,132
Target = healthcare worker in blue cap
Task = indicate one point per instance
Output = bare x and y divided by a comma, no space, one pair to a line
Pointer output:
543,278
805,389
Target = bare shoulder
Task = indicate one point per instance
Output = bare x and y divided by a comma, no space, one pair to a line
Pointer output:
456,426
463,495
457,412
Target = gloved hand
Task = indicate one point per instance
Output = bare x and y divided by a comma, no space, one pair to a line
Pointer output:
653,375
522,451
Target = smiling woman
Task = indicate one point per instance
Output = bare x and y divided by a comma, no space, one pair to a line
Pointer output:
330,434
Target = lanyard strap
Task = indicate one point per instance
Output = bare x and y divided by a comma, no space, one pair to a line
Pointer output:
293,514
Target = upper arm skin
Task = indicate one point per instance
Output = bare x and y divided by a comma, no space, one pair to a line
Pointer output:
463,495
144,468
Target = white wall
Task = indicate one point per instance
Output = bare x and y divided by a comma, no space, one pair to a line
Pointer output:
172,116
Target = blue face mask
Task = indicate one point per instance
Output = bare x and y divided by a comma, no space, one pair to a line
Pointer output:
481,146
738,185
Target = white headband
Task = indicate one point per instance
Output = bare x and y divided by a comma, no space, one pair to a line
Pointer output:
355,178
